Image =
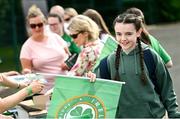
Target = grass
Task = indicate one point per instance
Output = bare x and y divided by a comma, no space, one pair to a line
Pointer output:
10,59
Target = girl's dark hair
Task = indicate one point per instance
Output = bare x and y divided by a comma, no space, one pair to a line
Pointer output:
144,35
130,19
137,12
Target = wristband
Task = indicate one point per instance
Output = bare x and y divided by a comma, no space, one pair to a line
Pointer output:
29,91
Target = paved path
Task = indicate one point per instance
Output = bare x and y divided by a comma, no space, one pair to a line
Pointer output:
169,37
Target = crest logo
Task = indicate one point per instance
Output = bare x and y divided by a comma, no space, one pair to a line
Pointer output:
85,106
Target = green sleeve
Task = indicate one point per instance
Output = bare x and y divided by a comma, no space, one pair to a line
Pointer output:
73,48
164,55
159,49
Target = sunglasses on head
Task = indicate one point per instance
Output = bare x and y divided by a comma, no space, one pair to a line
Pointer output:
39,25
75,35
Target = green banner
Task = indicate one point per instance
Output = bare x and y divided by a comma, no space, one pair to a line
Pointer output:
109,47
77,98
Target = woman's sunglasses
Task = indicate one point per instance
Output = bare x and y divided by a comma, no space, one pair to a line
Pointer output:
75,35
39,25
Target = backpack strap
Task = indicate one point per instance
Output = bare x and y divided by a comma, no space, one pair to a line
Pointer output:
150,64
103,67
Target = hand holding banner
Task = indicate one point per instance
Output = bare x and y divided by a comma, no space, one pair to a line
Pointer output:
76,97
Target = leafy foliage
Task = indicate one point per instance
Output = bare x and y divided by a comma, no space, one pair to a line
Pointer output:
170,10
4,20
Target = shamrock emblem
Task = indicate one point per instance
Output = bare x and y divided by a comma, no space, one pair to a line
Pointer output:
80,113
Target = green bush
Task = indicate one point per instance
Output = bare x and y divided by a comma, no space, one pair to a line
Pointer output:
9,58
170,10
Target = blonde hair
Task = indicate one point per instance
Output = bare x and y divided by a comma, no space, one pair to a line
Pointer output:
81,23
57,9
34,11
70,12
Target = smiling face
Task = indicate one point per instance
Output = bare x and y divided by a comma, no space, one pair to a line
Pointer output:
126,35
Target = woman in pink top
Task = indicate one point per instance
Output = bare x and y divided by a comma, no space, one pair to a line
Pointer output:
85,33
42,53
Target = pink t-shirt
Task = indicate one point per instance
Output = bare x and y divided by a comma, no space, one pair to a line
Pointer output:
46,56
